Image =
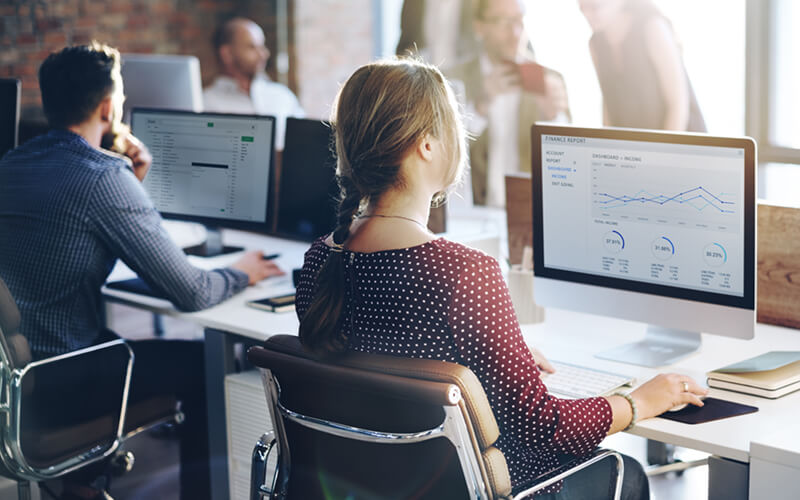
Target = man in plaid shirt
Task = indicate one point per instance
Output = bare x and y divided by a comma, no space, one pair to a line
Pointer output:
68,210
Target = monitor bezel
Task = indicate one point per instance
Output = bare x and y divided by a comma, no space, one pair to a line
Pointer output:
252,226
747,301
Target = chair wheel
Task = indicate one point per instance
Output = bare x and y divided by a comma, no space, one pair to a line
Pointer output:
121,463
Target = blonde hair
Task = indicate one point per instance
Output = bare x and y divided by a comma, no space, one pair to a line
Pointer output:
381,113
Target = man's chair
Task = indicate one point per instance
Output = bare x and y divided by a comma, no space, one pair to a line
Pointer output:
66,412
372,426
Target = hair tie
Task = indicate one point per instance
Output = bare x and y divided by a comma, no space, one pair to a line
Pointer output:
337,247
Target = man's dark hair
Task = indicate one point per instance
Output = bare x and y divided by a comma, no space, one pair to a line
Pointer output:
225,32
75,80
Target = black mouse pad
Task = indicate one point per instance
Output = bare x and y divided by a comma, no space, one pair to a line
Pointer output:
714,409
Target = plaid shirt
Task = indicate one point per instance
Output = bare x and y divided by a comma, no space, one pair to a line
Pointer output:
67,212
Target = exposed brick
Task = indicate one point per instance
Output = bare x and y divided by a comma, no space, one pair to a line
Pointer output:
55,38
26,39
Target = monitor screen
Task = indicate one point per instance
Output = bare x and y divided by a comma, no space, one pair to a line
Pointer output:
208,167
307,198
656,227
159,81
9,119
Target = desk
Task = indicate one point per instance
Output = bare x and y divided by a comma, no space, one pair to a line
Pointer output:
576,337
564,335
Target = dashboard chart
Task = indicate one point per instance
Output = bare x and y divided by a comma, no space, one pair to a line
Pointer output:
658,213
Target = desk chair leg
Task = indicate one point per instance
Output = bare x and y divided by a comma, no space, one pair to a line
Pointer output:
24,490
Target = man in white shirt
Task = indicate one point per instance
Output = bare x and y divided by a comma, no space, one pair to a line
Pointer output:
243,87
501,103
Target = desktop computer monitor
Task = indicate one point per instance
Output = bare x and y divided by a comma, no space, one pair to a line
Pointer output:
308,193
158,81
9,119
211,168
653,227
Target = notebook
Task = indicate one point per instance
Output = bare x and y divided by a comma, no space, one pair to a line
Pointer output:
770,375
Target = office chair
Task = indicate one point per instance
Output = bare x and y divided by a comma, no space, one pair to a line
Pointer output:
372,426
44,429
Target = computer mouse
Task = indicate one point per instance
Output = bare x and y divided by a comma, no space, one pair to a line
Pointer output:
684,405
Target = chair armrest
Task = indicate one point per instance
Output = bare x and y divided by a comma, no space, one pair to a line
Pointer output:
80,352
573,466
72,389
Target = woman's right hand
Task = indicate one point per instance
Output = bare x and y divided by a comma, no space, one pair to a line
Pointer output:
666,391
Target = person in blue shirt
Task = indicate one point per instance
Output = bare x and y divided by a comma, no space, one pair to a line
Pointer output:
68,210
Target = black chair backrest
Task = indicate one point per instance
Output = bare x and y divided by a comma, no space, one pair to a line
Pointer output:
13,344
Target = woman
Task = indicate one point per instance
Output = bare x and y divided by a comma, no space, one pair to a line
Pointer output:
639,67
382,283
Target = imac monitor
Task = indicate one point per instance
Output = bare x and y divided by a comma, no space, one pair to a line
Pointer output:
653,227
210,168
308,193
161,81
9,120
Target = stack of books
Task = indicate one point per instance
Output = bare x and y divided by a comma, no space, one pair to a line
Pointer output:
770,375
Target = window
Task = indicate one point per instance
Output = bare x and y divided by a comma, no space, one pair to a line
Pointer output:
560,37
784,101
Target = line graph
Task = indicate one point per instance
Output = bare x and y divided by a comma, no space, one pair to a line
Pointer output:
698,198
683,195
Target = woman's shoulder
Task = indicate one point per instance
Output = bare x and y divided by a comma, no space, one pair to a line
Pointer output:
463,254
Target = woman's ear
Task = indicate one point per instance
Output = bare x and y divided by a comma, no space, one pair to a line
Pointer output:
426,147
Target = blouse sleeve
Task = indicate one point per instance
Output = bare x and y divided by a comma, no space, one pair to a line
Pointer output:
490,343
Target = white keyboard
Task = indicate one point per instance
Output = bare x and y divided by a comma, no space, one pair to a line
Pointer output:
572,381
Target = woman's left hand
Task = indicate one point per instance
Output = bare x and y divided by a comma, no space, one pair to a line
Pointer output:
541,361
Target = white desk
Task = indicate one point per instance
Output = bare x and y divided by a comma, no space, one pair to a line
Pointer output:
775,464
576,337
564,336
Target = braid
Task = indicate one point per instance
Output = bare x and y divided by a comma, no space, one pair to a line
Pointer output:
349,204
320,328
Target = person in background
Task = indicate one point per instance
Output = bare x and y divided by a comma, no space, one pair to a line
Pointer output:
438,31
243,87
506,91
382,283
639,67
68,210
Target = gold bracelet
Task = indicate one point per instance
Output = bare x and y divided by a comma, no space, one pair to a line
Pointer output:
634,411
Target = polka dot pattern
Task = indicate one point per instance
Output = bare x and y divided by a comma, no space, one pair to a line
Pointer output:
443,300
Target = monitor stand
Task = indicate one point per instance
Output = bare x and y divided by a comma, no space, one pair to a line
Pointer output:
212,246
660,346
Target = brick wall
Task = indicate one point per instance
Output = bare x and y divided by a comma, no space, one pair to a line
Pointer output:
328,38
32,29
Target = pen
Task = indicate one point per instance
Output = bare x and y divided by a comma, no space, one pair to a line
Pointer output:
271,256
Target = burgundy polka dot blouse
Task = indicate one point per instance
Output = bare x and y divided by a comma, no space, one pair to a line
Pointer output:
443,300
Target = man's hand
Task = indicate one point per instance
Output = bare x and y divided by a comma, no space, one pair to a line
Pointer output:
503,79
256,268
139,154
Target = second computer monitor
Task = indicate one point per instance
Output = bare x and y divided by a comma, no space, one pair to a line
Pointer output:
307,196
159,81
208,167
652,227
